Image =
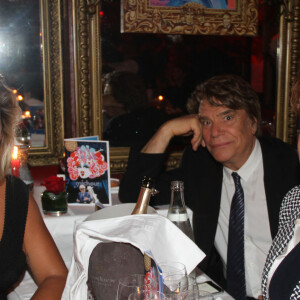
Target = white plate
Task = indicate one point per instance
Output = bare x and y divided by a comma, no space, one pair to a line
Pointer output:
124,209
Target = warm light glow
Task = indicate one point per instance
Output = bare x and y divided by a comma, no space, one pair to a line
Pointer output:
160,98
15,152
20,97
27,114
15,91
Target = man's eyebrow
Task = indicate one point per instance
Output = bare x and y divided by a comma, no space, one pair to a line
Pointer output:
201,117
223,113
226,112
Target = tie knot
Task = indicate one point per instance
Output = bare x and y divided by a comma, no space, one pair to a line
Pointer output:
236,178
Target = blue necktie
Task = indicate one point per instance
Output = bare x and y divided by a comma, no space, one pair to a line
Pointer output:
236,282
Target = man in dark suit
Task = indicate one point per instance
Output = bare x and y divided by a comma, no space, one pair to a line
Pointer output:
83,196
225,139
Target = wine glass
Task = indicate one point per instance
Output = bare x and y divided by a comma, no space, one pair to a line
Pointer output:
146,295
135,283
175,283
178,284
192,294
167,268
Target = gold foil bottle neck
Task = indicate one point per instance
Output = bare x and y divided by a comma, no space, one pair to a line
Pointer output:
146,191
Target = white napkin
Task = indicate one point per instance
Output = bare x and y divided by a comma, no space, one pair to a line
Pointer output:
147,232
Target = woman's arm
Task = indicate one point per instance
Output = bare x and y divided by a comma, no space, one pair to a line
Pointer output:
43,258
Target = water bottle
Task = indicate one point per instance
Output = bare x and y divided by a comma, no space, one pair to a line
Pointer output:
177,212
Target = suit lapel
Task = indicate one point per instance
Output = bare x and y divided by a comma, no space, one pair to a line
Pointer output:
272,180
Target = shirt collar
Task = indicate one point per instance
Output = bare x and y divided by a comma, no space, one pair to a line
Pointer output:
247,169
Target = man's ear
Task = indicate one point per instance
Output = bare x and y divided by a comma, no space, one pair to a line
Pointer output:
203,143
254,126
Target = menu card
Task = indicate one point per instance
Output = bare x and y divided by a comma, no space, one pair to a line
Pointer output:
87,171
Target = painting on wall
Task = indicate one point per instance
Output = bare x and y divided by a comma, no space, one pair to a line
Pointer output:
207,17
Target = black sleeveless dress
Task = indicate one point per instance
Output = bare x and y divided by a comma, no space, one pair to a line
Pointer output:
12,257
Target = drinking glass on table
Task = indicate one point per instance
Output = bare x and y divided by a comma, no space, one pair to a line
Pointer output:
135,283
146,295
167,268
177,284
191,295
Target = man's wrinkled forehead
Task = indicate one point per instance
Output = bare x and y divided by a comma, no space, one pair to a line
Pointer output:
211,105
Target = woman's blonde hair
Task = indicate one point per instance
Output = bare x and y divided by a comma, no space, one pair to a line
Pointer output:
9,117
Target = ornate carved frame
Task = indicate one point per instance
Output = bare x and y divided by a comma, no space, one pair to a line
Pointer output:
288,70
88,83
51,28
191,18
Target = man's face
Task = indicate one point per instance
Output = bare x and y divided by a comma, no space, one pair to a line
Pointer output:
228,134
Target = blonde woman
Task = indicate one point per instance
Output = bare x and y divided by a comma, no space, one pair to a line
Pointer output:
24,239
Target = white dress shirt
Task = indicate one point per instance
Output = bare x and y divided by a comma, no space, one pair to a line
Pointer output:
258,237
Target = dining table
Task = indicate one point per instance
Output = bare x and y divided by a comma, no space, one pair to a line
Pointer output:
62,228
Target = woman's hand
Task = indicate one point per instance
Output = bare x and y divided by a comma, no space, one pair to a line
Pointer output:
182,126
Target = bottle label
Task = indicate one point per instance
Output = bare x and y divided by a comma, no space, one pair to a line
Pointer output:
151,271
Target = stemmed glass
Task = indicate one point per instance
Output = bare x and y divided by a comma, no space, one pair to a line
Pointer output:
146,295
175,283
169,268
135,283
193,294
178,287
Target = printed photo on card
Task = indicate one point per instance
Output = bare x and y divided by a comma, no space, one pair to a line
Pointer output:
87,171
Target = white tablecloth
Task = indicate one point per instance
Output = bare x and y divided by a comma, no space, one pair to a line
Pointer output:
61,229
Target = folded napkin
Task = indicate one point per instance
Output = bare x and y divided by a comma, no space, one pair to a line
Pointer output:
146,232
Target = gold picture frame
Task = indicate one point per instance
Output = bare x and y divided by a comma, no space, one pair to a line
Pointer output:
51,31
38,69
141,16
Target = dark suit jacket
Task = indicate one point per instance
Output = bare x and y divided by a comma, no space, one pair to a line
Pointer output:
202,177
81,196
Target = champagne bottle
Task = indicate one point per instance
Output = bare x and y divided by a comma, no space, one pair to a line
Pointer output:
141,207
144,196
111,261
